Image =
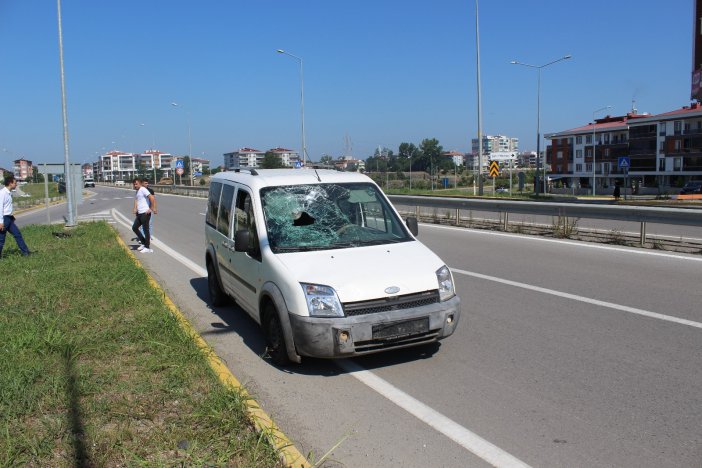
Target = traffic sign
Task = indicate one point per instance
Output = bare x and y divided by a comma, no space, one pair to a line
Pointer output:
180,164
298,164
624,162
179,170
494,169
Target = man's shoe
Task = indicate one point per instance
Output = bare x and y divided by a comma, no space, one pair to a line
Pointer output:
141,248
146,250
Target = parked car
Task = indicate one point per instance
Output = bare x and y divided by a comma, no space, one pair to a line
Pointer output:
692,187
501,190
120,183
88,182
324,263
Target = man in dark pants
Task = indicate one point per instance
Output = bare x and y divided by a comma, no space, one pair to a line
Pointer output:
8,220
143,201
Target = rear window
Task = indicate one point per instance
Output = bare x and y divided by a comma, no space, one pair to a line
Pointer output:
213,204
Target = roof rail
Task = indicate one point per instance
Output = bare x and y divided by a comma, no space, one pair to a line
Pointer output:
251,171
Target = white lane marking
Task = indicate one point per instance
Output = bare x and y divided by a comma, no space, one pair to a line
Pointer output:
197,269
587,245
459,434
574,297
454,431
202,214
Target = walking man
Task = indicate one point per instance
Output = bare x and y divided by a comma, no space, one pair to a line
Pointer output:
143,201
8,220
145,183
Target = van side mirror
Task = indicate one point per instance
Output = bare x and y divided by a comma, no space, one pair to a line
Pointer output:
241,241
412,225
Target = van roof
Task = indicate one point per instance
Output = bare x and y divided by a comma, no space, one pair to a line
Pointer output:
259,178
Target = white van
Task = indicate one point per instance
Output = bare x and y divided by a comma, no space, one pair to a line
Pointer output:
323,262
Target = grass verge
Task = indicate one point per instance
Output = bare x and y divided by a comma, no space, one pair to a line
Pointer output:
95,370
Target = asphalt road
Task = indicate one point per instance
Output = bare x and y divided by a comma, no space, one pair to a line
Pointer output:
567,354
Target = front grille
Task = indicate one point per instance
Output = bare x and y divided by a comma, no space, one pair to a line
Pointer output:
370,346
387,304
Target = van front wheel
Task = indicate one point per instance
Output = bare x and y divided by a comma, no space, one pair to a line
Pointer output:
275,337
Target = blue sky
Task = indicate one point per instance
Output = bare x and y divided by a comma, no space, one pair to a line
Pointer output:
381,72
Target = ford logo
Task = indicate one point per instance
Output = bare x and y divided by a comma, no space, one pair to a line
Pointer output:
392,290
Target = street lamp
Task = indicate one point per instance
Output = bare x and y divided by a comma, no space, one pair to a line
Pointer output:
70,203
190,143
538,117
594,126
302,102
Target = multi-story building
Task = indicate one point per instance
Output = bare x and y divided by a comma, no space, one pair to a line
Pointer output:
249,157
22,169
289,158
490,143
243,157
117,165
345,162
457,157
663,150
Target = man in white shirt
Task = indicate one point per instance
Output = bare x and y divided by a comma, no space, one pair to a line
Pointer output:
143,203
8,220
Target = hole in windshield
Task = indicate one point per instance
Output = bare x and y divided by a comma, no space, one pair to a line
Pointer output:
328,216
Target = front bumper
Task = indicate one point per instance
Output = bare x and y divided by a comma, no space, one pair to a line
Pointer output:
353,336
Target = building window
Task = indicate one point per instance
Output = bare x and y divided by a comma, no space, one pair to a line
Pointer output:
578,140
661,129
578,168
678,145
588,139
677,126
579,153
677,164
606,152
661,164
607,167
588,167
559,155
606,138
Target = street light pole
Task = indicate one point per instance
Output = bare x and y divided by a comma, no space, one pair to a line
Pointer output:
190,144
538,117
71,218
480,105
594,147
302,103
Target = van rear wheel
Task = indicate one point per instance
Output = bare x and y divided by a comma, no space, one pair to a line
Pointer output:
217,296
275,337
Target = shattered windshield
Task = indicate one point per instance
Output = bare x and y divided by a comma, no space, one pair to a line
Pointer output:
328,216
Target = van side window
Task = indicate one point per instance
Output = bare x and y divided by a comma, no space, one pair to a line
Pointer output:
225,210
213,204
244,219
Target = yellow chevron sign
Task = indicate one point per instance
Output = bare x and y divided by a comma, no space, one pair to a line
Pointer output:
494,169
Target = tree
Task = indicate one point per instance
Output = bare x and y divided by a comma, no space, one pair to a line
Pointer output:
431,153
271,161
408,154
326,159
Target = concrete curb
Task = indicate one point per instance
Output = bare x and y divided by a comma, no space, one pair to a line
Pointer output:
291,456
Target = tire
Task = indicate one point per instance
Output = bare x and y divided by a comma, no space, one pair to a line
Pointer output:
217,296
275,337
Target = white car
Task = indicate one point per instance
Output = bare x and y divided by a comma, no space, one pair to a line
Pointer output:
88,182
323,262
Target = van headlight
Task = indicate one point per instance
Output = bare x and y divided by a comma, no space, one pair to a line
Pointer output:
446,290
322,301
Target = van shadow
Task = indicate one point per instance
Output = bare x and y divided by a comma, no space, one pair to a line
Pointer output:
236,320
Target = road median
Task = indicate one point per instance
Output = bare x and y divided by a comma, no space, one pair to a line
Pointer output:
100,369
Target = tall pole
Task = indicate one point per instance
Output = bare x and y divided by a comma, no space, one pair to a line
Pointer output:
70,220
302,102
538,119
594,146
480,105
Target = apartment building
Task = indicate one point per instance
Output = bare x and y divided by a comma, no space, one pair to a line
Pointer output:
250,157
22,169
490,143
664,150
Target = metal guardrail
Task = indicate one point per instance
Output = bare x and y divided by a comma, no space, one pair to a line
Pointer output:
639,214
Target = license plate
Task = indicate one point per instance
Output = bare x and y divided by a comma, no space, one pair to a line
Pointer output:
400,329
